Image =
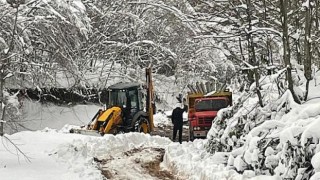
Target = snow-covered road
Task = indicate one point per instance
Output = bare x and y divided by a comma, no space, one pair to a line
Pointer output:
59,155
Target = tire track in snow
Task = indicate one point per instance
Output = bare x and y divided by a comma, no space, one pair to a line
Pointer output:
137,163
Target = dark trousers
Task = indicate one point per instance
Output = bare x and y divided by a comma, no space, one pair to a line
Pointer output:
175,129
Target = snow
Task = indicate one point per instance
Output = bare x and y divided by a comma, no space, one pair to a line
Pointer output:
38,116
162,118
38,147
191,160
315,161
79,4
53,153
316,176
57,155
277,134
281,134
311,131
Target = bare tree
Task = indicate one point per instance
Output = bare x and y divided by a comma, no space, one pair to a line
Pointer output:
33,49
5,62
307,45
286,47
251,51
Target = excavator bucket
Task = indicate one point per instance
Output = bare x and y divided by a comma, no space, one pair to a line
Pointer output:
103,122
85,132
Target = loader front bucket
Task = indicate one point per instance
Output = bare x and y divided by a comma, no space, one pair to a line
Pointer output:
86,132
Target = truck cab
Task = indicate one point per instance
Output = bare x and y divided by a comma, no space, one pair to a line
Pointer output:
203,110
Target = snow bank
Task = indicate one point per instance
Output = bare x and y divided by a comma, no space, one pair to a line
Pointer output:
38,148
37,116
55,155
276,139
162,119
191,160
79,153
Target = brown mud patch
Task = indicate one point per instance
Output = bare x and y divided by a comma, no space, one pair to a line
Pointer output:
150,167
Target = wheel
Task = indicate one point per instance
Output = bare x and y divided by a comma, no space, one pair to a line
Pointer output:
142,125
191,137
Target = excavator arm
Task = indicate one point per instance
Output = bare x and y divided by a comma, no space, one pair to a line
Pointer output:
102,123
150,97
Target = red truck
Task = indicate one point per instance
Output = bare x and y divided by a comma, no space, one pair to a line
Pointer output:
203,109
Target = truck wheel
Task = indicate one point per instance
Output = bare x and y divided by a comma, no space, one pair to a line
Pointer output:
142,125
191,137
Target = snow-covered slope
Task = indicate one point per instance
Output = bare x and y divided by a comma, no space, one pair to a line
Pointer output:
280,139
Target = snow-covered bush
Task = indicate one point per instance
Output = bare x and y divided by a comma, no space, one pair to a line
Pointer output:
281,138
12,114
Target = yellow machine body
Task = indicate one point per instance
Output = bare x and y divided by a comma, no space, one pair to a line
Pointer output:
110,118
119,118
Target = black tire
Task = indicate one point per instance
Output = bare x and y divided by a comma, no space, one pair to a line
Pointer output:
191,137
142,125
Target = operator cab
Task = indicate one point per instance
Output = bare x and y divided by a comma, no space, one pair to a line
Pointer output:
127,96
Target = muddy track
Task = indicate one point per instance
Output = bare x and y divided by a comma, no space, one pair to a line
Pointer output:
149,168
135,160
167,131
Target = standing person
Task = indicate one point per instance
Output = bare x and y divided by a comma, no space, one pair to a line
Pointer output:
177,121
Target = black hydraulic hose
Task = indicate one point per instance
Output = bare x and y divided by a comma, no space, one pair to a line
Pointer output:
95,116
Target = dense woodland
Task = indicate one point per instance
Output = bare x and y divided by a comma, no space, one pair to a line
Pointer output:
42,41
230,41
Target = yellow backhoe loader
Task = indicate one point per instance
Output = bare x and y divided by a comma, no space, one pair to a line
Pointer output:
125,110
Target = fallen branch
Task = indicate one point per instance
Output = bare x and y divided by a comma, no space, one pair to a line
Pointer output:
17,149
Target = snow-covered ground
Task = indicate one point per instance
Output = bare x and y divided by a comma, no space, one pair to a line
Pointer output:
53,154
56,154
50,152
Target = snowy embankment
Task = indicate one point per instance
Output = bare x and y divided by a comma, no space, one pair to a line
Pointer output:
261,143
37,116
279,140
57,155
191,160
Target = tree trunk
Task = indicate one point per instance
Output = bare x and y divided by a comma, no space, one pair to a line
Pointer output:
1,101
317,33
252,55
297,41
286,48
269,48
307,48
5,61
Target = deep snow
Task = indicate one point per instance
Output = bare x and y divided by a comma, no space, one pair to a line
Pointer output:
56,154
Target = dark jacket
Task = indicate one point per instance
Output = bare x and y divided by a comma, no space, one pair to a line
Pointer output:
177,118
